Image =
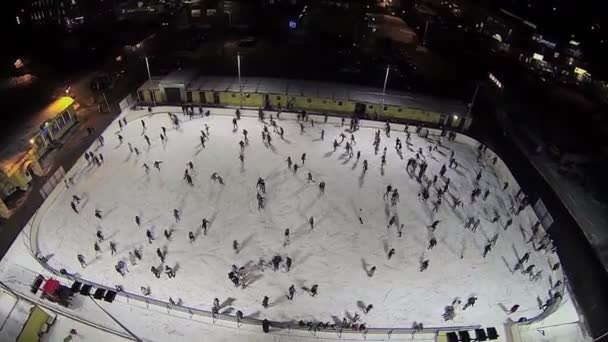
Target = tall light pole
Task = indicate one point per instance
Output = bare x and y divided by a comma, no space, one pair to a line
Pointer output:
150,79
106,99
388,69
473,100
238,64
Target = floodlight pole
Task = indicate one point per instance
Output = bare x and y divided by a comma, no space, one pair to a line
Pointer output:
388,68
150,79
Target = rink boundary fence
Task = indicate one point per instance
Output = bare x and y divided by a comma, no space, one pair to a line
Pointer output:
433,134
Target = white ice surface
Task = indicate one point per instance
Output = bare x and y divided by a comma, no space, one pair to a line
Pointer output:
333,255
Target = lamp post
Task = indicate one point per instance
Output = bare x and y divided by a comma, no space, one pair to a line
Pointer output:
388,68
149,78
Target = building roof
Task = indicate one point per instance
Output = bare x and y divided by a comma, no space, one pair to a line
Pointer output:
11,153
57,107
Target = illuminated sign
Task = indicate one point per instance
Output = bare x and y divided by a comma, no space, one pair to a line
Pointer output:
580,71
538,56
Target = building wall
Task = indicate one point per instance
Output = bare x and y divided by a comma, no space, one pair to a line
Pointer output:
312,104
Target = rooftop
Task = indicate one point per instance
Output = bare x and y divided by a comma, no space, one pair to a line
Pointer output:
19,145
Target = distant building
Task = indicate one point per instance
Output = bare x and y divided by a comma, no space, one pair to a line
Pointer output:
20,163
67,13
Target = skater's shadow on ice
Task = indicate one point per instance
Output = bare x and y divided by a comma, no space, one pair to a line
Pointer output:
85,200
198,151
227,302
385,246
361,179
364,266
228,311
328,154
504,260
246,241
361,305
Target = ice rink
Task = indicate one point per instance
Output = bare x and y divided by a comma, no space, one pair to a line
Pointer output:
336,254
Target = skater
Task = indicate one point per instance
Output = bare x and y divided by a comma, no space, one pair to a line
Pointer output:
322,186
358,155
143,124
98,214
276,260
322,134
81,260
168,234
176,215
242,145
301,128
395,197
100,236
508,223
295,168
470,302
261,185
371,271
424,265
314,290
73,205
190,165
155,271
388,191
487,249
191,237
265,326
289,162
147,140
303,158
265,302
292,292
364,165
288,263
235,246
161,255
309,178
515,307
260,199
286,241
112,247
245,136
311,221
432,243
391,222
368,308
149,236
433,225
234,124
136,151
335,145
97,248
157,164
391,253
137,254
169,272
146,168
204,225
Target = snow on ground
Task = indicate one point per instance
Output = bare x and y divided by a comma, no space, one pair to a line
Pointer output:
335,254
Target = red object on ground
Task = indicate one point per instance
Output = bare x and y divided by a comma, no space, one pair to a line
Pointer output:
51,286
